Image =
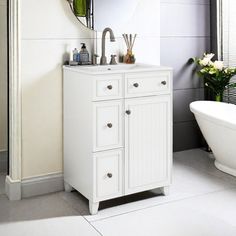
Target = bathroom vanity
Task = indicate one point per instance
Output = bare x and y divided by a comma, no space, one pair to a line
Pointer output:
117,130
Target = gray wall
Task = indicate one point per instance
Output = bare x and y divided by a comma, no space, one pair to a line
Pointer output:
185,33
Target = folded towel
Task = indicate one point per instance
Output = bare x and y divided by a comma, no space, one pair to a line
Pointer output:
80,8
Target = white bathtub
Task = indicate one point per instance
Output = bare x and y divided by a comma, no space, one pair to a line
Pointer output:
217,122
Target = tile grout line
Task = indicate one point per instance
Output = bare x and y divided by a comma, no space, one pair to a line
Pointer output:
164,203
77,211
90,223
80,214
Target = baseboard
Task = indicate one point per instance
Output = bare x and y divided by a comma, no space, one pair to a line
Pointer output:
36,186
13,189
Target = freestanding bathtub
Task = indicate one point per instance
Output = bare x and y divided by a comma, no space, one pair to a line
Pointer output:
217,121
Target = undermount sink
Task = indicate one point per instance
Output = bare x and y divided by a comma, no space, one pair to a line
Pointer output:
119,68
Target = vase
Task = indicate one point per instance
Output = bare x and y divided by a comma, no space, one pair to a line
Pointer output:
129,57
219,97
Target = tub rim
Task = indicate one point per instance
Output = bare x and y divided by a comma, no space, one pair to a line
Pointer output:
212,118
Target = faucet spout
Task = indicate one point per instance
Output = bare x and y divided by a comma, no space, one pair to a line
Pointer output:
103,60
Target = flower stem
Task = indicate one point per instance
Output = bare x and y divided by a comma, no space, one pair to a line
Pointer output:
219,97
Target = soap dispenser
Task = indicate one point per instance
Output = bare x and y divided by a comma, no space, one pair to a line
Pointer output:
84,55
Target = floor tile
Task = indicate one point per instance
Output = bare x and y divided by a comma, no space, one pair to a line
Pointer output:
64,226
201,201
202,161
42,207
188,180
182,218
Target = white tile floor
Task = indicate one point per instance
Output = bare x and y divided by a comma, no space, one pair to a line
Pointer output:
202,202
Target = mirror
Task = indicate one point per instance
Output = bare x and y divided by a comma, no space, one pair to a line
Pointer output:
99,14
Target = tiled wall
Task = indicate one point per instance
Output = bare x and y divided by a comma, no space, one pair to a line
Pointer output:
3,75
48,32
185,33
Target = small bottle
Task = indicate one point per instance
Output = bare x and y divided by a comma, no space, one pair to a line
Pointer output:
84,54
75,54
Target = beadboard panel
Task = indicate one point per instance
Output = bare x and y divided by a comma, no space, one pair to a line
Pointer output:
146,142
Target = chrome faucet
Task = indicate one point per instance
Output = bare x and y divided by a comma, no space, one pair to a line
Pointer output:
103,60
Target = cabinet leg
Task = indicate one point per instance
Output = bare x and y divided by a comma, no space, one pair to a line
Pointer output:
93,207
68,188
165,190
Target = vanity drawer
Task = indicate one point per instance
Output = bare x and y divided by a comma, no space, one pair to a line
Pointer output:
107,87
107,125
146,84
108,174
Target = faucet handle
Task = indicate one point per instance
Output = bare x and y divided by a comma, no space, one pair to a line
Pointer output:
95,56
113,60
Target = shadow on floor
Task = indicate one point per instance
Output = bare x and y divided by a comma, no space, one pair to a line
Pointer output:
59,204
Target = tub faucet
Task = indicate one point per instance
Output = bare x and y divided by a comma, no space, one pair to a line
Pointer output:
103,60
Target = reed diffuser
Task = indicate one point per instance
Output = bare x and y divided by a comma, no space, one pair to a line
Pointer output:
129,41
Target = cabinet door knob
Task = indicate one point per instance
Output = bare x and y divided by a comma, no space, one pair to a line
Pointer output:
163,82
128,112
136,85
109,175
109,125
109,87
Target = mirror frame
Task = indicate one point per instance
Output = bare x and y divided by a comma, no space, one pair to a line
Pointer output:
90,19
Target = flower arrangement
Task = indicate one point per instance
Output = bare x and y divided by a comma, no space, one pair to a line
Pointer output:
216,76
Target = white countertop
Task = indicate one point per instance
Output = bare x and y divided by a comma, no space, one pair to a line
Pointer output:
115,69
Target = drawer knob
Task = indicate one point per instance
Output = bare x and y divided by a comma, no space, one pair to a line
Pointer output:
163,82
136,85
109,87
109,175
128,112
109,125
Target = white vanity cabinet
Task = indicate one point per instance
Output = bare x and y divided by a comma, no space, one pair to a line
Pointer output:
117,131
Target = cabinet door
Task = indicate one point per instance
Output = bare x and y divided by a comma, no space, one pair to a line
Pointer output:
147,143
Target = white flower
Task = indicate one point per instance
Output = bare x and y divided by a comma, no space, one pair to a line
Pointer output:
211,63
219,65
209,55
205,61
